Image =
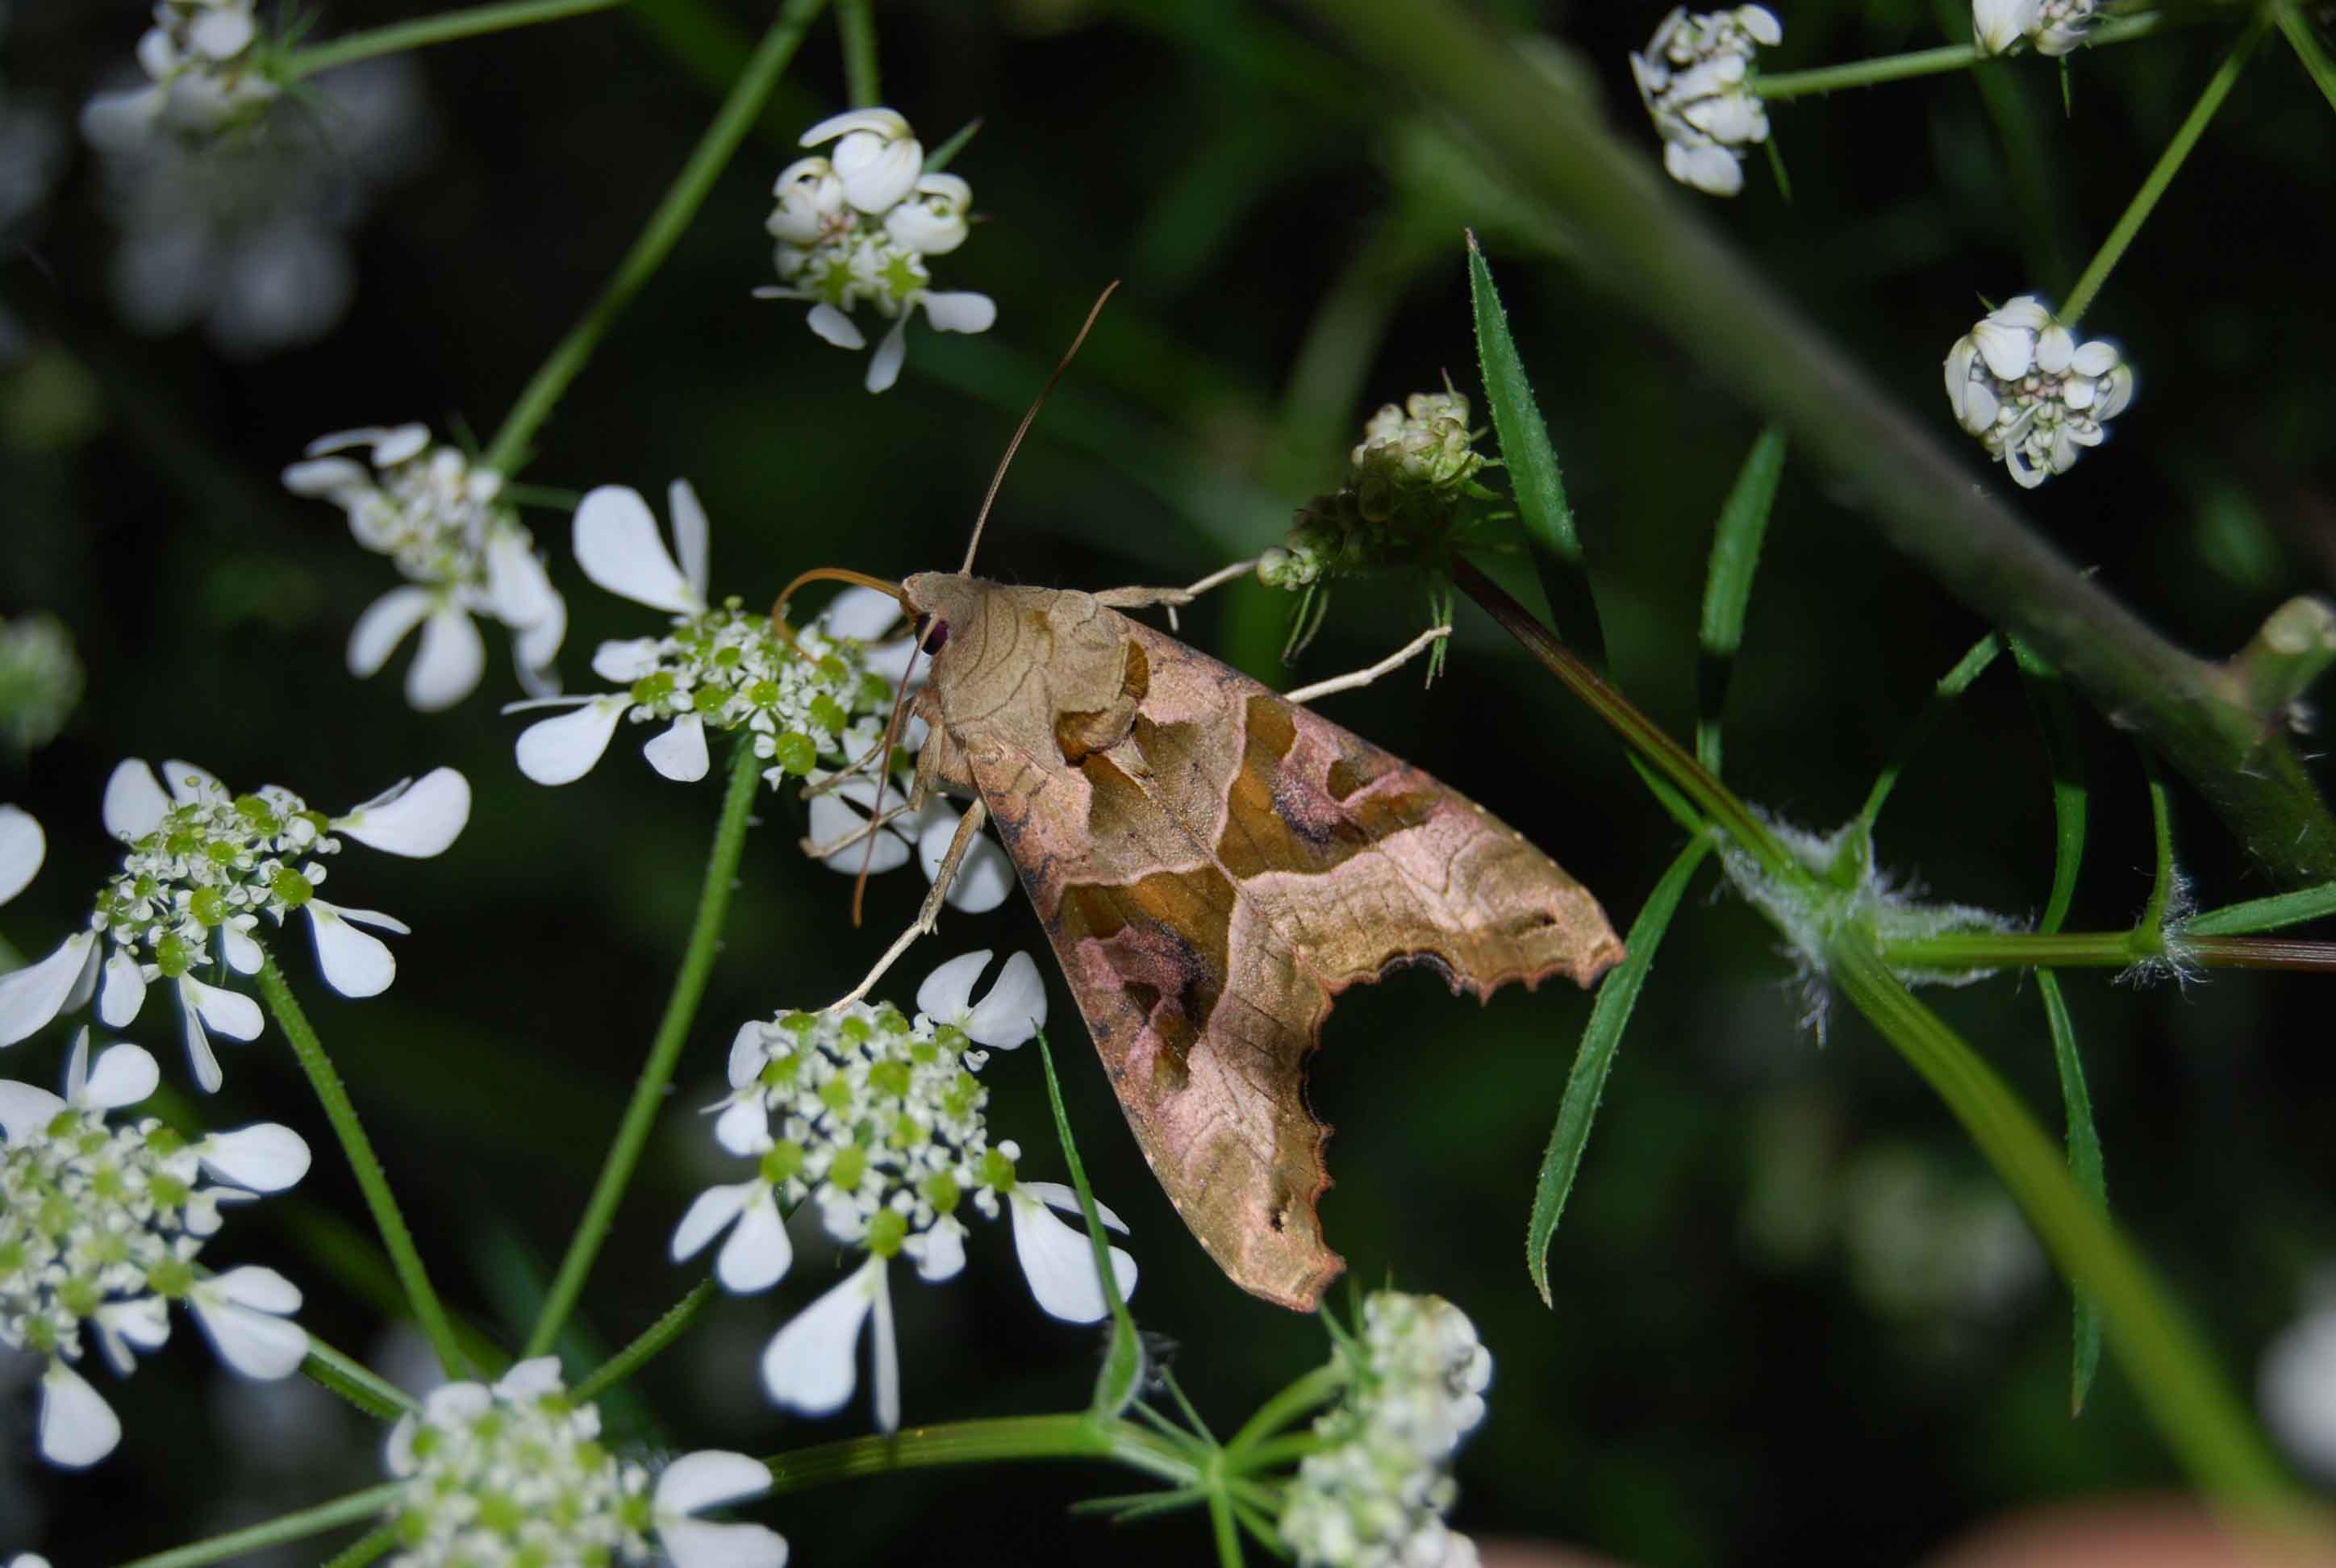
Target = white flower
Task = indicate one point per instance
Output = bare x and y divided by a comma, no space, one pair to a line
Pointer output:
205,75
100,1228
1695,79
857,228
877,1121
2033,394
2050,26
515,1472
461,552
201,865
40,678
2296,1386
719,667
23,847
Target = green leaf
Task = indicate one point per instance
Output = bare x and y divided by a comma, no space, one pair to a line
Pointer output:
1122,1363
2161,832
1595,1058
1728,584
938,157
1952,685
2057,719
2309,49
2085,1164
2264,914
1532,462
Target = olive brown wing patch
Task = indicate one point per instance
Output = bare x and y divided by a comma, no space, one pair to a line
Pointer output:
1211,879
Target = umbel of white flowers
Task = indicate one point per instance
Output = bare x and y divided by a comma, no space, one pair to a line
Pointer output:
462,551
2050,26
515,1473
203,59
200,867
1694,76
857,226
1376,1492
100,1228
877,1121
40,680
2034,395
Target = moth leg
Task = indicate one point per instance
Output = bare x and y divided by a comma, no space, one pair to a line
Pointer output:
820,852
1362,678
1144,598
930,915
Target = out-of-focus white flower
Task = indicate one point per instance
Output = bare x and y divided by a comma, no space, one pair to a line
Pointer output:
2050,26
461,549
515,1472
200,867
206,71
857,226
1695,77
1378,1492
2296,1383
23,848
100,1228
2035,397
40,679
878,1121
247,233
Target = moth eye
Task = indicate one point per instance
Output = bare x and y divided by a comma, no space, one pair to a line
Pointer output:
936,640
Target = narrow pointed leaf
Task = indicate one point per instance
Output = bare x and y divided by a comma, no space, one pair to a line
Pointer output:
1727,585
2265,914
1952,685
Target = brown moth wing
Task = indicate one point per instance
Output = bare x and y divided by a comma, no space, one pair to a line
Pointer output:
1213,866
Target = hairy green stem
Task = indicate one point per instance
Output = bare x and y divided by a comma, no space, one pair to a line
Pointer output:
443,28
353,1380
1789,85
1635,232
856,20
2169,163
653,1340
364,1548
1318,1386
2101,950
276,1532
1069,1436
665,226
333,1095
665,1050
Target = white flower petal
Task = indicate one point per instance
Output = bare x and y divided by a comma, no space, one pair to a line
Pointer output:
625,661
78,1428
417,820
231,1013
537,646
617,546
265,1157
878,167
809,1365
1059,1260
119,122
2097,357
189,785
322,478
121,991
123,1075
135,804
1060,1195
679,754
707,1479
940,1250
1709,169
356,963
557,751
885,364
832,325
886,1373
1761,24
1014,1011
690,534
862,614
447,668
241,1313
25,1109
32,996
23,847
1998,24
831,819
530,1380
244,955
2009,350
758,1253
2117,394
947,992
142,1324
517,584
384,625
985,878
707,1214
221,34
883,121
962,311
744,1127
201,1058
1979,407
699,1544
2055,347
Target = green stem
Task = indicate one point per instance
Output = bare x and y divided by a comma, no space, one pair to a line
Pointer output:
1073,1437
673,1030
856,20
443,28
276,1532
1317,1387
665,226
1789,85
367,1549
656,1337
2308,48
1222,1526
2145,201
2170,1369
371,1179
353,1380
2101,950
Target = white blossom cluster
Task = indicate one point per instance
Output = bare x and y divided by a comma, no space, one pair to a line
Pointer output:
857,226
101,1226
515,1473
1376,1495
1426,443
201,866
878,1121
40,679
1404,478
205,69
462,551
2033,394
2050,26
1695,77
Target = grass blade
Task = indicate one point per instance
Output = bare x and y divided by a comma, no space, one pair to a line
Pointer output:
1728,586
1616,998
2264,914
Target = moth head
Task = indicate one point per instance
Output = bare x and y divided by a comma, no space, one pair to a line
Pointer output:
947,604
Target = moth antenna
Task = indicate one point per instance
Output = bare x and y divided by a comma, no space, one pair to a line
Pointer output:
884,772
827,574
998,479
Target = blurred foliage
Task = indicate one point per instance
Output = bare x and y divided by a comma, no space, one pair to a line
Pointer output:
1717,1383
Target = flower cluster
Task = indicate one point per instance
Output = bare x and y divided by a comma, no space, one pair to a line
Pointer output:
206,72
40,680
2033,394
2050,26
1404,480
515,1473
1376,1494
1695,77
201,867
878,1121
858,226
100,1228
461,552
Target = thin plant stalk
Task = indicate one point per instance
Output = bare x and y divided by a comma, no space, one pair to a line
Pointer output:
445,27
856,20
1066,1437
1785,86
285,1527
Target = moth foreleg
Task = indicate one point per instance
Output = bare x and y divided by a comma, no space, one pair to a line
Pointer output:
968,826
1353,679
1144,598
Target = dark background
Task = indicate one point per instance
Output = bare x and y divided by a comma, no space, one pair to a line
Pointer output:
1754,1355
